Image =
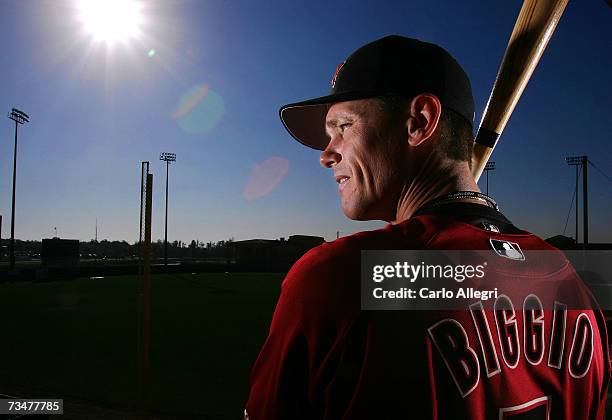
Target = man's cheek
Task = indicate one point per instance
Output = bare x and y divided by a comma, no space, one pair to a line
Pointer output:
379,176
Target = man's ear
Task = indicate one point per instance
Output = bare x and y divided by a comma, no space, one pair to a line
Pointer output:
425,110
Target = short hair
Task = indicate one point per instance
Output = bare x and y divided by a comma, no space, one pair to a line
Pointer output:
456,137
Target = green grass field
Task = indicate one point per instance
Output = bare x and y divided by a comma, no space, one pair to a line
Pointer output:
78,339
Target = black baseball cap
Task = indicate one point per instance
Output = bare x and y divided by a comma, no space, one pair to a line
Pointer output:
390,66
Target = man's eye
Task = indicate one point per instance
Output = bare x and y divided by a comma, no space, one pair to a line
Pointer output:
343,126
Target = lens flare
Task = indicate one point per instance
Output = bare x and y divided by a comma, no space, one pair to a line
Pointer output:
199,110
265,177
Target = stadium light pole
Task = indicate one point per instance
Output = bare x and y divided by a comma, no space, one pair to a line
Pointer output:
167,157
490,166
19,117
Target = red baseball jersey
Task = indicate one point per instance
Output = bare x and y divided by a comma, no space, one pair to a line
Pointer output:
325,358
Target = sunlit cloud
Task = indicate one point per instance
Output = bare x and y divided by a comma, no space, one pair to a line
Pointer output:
265,177
199,110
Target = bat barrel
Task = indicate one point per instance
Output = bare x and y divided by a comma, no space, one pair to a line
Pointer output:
534,27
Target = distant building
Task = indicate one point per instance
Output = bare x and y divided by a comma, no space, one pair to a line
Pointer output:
562,242
566,243
272,254
58,252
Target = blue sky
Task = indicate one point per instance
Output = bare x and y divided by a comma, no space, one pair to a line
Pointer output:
97,112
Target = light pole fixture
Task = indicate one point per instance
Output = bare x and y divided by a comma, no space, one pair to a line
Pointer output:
580,162
19,117
167,157
490,166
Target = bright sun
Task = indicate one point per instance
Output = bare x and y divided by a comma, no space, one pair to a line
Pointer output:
110,20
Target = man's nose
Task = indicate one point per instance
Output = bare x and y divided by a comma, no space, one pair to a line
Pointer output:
329,156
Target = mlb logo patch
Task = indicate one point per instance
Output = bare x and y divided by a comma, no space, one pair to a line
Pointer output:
507,249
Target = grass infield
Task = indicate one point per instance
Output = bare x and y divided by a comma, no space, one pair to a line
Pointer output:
78,339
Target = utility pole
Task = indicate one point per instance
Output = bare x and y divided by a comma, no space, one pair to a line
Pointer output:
581,162
585,203
167,157
20,118
577,176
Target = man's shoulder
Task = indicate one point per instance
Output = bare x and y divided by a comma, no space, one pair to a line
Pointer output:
330,259
411,234
336,264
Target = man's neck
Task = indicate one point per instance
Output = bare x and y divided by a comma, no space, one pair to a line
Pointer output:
432,181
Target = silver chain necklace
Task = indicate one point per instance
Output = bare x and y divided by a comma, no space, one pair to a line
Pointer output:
462,195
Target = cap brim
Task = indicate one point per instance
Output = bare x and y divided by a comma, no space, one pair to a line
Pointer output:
305,120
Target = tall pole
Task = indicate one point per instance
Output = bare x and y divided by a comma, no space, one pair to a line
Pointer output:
12,243
145,302
19,117
581,162
167,157
166,224
577,175
490,166
585,203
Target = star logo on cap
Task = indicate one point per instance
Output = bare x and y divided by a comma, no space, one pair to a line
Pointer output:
333,81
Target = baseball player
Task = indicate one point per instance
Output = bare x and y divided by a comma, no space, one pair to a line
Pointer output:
396,131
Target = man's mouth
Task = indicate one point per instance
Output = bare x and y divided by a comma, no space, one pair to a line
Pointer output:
341,179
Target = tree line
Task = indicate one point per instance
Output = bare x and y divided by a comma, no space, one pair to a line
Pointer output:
122,249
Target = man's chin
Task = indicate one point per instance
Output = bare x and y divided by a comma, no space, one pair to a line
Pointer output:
351,213
356,214
363,214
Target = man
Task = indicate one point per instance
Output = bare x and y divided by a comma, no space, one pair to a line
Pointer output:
396,131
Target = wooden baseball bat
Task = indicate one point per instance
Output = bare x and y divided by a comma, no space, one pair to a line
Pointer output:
534,26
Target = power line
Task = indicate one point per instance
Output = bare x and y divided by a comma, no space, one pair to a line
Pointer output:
600,171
